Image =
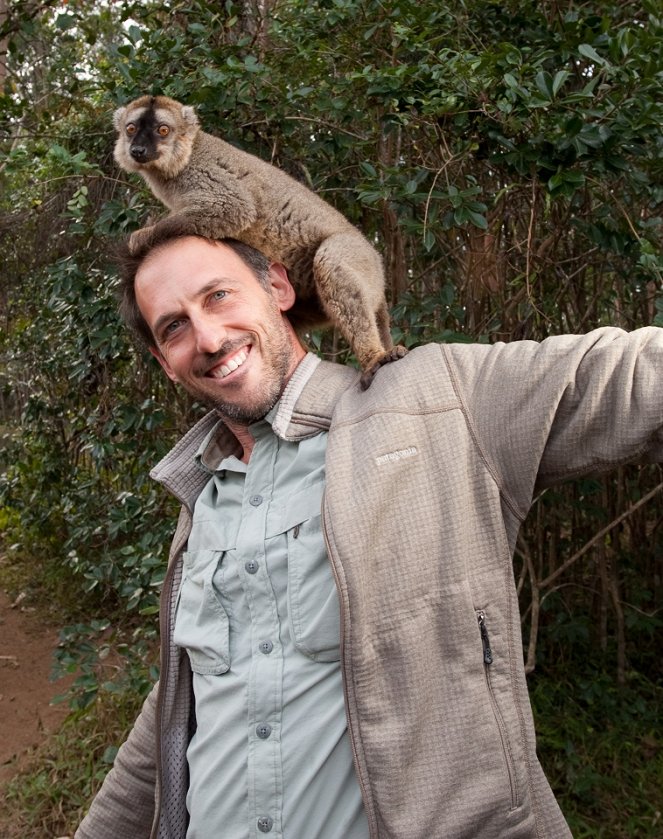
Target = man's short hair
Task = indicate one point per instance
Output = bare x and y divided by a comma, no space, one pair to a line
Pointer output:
129,262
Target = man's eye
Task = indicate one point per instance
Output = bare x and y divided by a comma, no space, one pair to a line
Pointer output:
219,295
171,328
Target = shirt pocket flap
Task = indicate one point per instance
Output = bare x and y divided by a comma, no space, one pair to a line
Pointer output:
302,505
201,622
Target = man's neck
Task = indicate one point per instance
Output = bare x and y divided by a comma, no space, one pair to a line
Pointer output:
244,437
241,430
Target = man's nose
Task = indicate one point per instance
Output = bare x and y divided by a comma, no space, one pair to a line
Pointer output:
209,335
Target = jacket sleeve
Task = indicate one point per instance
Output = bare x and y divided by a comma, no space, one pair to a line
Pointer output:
124,806
570,405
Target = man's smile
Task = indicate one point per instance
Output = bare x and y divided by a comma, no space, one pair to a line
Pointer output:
229,365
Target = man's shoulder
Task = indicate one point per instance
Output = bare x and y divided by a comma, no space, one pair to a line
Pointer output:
177,471
411,383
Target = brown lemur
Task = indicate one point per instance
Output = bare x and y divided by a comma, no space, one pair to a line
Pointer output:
222,192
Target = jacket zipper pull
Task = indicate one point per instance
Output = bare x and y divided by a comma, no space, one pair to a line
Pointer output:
487,652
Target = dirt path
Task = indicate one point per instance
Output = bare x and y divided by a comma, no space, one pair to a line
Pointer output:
26,717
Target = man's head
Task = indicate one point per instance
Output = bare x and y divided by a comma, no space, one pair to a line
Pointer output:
130,260
213,315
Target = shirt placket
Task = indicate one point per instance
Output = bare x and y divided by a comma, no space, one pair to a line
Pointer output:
265,682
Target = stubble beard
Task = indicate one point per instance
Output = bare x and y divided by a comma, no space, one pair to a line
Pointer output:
277,356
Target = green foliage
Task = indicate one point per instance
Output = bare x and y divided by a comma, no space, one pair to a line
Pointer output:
91,650
78,475
78,508
602,750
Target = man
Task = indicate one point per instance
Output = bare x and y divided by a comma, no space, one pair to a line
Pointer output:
341,652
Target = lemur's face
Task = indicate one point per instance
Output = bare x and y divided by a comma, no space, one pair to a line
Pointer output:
147,133
154,133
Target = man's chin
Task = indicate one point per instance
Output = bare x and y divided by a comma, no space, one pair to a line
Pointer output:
253,389
244,412
242,415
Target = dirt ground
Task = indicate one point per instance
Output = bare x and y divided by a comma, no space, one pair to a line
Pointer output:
26,716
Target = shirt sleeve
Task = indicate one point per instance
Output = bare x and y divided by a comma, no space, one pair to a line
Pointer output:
124,806
568,406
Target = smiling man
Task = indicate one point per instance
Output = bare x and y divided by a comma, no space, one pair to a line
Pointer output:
341,651
218,329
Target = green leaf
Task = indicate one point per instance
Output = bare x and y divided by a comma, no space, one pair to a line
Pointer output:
477,220
560,77
134,34
252,64
429,240
65,21
588,51
109,754
544,84
566,182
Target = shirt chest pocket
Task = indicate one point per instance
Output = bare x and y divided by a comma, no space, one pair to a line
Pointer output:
313,606
201,622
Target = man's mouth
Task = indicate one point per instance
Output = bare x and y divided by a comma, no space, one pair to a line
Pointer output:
229,366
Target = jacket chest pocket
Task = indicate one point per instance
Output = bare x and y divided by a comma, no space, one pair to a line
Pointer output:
313,606
201,622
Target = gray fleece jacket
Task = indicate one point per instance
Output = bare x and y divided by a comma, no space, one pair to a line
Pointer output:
429,475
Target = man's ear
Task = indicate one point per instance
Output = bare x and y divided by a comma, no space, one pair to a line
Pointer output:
162,361
282,290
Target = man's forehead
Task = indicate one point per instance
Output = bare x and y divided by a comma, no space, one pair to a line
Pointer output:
192,257
192,246
183,271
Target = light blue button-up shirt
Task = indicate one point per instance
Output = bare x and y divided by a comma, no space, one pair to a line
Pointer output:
258,615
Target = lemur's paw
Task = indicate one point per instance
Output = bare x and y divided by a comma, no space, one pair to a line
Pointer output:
391,355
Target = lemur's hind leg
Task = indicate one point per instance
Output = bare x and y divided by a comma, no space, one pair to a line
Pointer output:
383,321
350,284
392,354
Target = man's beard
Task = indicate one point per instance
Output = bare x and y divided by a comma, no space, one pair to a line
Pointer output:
277,353
252,411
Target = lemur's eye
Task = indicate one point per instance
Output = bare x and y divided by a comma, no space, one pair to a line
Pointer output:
163,131
130,128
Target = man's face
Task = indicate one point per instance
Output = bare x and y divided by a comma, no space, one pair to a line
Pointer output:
217,331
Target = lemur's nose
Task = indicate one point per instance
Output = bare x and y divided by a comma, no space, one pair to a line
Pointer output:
138,153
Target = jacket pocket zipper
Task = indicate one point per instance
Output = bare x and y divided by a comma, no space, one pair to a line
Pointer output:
499,719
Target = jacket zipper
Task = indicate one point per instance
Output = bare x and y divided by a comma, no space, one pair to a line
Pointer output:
501,727
368,804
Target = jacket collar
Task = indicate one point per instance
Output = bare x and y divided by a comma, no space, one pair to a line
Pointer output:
305,408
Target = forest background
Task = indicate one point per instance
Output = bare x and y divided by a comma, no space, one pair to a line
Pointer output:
505,158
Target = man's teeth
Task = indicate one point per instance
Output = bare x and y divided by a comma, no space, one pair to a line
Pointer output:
231,366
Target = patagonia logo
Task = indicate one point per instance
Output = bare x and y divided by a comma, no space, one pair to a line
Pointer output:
401,454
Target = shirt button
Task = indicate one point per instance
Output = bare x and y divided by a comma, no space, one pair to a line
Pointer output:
255,500
265,647
263,730
265,824
251,566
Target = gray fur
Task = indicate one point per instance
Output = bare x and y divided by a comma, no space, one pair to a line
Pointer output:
223,192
